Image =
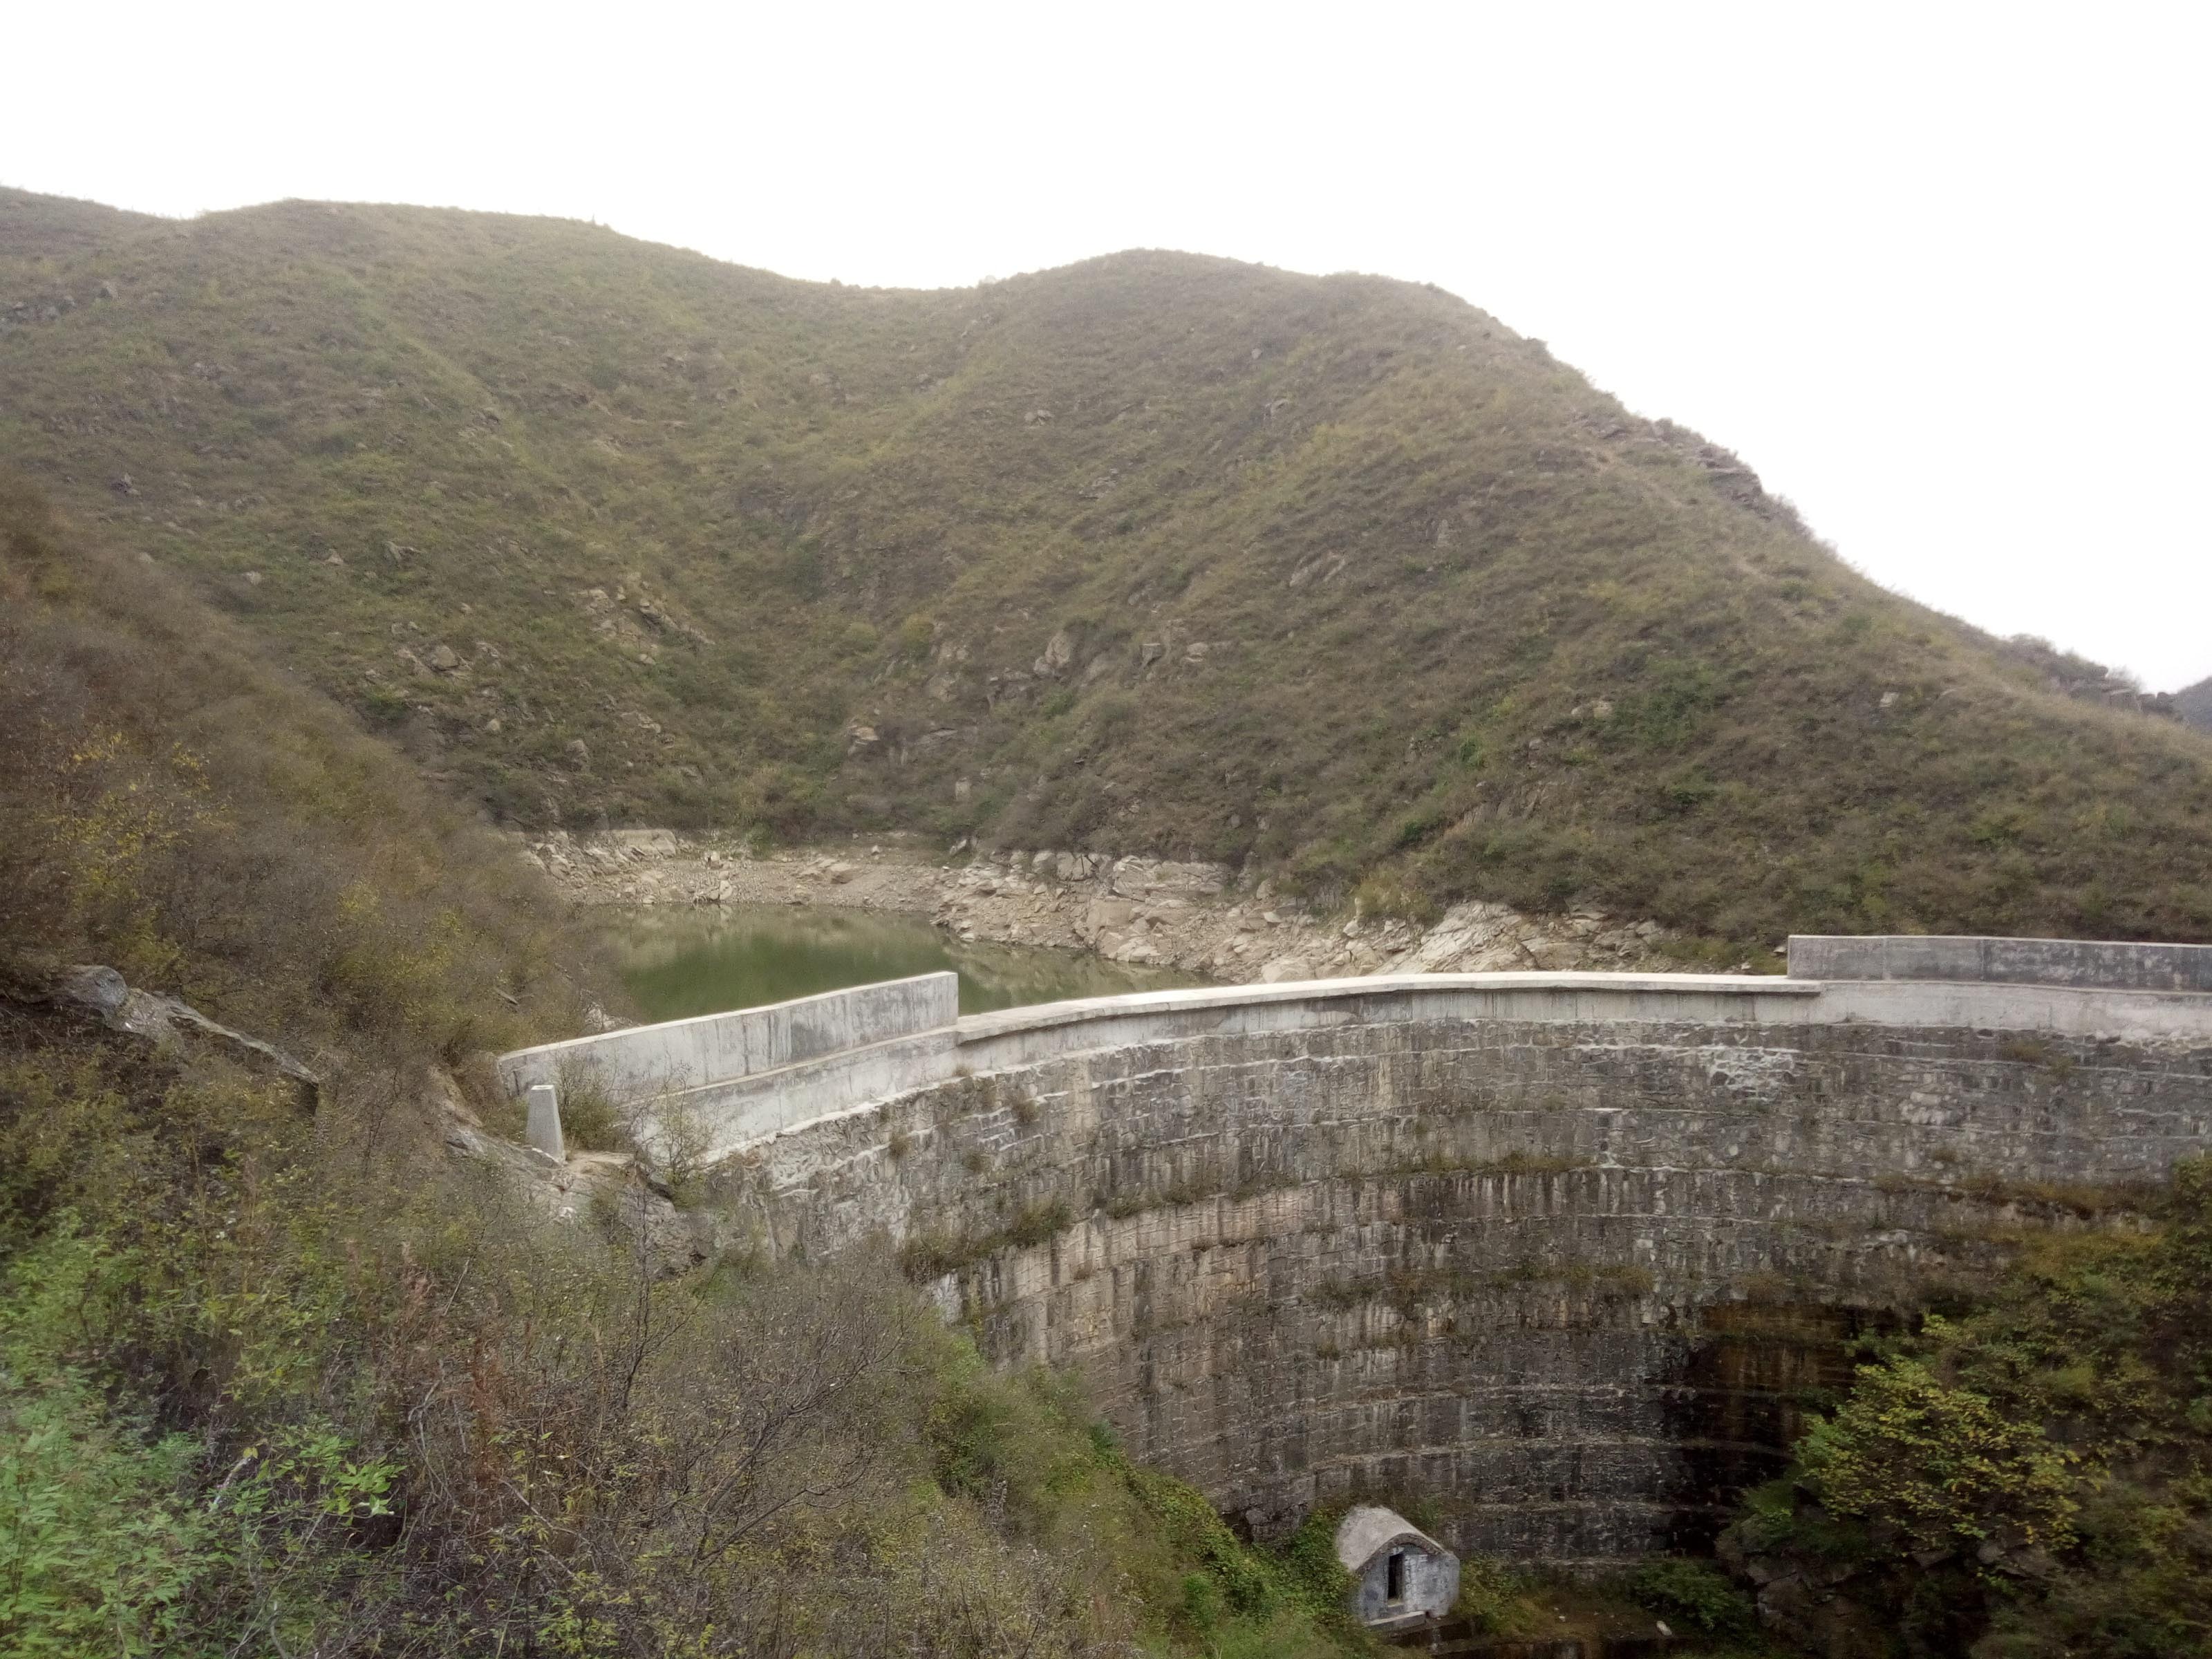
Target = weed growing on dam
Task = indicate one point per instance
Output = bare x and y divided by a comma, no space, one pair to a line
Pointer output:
2084,1200
1515,1163
930,1256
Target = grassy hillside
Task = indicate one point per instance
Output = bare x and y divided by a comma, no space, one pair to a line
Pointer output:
1338,576
172,806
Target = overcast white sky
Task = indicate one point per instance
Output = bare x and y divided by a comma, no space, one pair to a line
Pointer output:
1938,271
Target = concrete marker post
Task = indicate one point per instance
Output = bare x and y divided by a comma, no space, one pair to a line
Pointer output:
543,1130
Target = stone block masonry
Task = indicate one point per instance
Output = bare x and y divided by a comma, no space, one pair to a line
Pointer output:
1562,1254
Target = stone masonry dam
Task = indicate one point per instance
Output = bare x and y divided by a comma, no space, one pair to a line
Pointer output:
1567,1255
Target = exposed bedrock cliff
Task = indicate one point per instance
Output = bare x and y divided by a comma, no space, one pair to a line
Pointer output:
1574,1279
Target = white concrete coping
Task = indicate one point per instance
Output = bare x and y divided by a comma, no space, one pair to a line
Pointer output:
1198,997
1019,1036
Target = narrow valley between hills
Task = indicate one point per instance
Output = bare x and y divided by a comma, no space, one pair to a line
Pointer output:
1161,961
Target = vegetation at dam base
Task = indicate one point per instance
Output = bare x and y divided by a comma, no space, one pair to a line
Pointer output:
2027,1475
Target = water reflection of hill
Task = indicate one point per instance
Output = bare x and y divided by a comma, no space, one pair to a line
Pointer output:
682,962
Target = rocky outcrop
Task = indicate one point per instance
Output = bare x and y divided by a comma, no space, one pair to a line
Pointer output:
1197,918
163,1022
2074,677
611,1191
2194,705
1819,1606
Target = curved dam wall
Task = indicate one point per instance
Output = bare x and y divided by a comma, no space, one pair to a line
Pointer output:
1569,1255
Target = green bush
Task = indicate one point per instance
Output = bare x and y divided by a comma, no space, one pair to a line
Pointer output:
1944,1467
1038,1223
591,1121
2028,1477
1694,1595
1312,1575
99,1552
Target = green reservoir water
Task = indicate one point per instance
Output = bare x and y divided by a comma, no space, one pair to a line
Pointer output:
679,963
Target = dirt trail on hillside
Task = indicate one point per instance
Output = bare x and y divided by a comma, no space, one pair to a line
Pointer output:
1200,918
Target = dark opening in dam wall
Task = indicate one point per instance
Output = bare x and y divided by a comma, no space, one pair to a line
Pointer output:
1567,1255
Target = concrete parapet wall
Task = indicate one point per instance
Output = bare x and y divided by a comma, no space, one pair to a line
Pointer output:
686,1055
2079,963
1017,1035
1014,1036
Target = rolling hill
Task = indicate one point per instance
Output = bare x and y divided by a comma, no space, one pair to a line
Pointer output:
1338,576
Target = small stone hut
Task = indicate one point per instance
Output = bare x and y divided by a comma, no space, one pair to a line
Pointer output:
1404,1576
